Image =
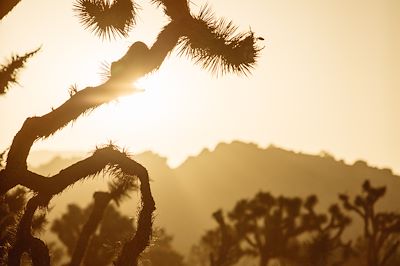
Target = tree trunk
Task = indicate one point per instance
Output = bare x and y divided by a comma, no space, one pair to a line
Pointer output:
101,200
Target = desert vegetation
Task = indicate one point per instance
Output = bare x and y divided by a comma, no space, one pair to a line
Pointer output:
286,223
289,231
210,42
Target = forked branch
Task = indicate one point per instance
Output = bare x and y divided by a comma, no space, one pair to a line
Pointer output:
106,157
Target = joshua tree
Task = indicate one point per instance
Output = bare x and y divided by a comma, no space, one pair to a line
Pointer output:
228,252
269,225
224,241
283,228
212,43
326,239
219,246
381,229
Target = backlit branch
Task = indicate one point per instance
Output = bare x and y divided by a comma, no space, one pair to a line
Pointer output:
25,242
212,43
89,98
100,160
101,201
215,45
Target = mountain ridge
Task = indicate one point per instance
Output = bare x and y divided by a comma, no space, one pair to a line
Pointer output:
187,195
35,162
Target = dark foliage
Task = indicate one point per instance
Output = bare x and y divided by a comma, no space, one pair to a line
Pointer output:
114,229
326,246
107,18
161,252
269,226
381,229
227,250
105,244
281,228
11,205
215,45
8,72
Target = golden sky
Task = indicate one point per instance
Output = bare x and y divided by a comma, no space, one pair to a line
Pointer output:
328,79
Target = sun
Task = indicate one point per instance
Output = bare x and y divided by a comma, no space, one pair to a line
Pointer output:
147,83
156,105
147,100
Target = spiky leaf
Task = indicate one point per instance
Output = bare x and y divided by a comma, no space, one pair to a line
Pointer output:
217,47
107,18
8,72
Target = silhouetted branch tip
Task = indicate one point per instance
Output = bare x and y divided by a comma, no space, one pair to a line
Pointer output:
107,18
215,45
9,72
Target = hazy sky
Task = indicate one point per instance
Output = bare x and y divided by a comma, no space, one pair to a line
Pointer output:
328,79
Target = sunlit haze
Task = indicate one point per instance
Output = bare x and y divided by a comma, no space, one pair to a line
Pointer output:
327,79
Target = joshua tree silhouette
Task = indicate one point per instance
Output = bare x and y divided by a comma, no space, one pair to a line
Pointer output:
210,42
381,229
284,229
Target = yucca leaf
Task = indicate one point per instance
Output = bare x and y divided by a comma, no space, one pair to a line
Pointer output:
107,18
217,47
8,72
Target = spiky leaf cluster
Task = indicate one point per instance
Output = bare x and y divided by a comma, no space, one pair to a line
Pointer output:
215,45
121,186
122,183
11,205
107,18
9,72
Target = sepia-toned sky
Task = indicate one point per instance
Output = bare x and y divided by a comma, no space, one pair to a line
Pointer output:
328,79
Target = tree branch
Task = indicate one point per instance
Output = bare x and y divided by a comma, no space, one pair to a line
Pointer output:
25,242
108,156
101,201
90,98
7,6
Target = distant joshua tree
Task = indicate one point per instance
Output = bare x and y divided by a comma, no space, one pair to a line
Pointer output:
271,228
381,229
211,42
326,246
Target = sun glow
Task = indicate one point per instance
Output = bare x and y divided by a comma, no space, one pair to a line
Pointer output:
145,97
147,83
148,100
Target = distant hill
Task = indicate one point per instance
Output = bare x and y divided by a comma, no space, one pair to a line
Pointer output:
187,195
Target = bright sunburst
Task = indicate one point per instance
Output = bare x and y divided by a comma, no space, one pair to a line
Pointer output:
148,98
147,83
